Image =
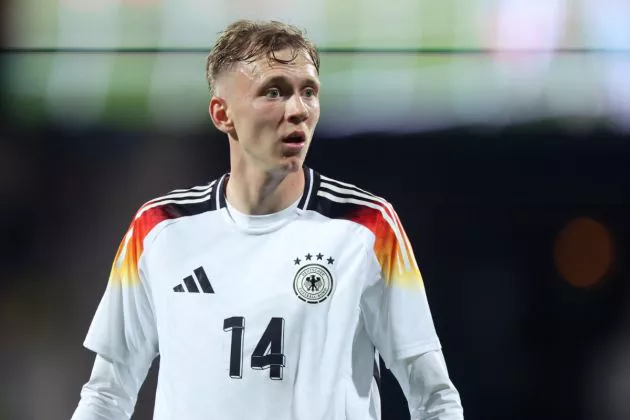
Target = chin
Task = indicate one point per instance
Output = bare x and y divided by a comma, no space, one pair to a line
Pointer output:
292,164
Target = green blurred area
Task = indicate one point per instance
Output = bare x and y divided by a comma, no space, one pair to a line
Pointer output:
352,24
459,82
148,90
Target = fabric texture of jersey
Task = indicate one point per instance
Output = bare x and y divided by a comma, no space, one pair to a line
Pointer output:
269,317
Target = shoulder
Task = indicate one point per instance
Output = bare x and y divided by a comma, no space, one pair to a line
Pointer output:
342,200
175,205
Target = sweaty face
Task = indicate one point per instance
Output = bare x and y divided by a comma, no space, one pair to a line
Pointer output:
274,108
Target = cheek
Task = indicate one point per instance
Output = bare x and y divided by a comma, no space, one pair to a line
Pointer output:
314,112
253,118
267,112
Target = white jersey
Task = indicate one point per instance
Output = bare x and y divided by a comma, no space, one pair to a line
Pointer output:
266,317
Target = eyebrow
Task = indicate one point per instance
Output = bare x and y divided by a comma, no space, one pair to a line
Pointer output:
284,80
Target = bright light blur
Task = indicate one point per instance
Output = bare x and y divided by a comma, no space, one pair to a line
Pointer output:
494,62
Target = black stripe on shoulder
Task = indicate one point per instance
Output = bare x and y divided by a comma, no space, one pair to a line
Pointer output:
176,210
184,202
340,200
354,193
184,194
347,186
336,206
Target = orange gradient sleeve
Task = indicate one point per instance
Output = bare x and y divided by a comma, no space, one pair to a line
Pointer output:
125,268
124,322
391,246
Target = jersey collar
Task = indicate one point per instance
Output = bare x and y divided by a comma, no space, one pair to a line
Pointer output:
311,184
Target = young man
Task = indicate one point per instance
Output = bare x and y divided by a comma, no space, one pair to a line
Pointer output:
267,291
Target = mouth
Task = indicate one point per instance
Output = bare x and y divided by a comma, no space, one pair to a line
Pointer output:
295,138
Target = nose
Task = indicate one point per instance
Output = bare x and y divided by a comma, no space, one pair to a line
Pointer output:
296,110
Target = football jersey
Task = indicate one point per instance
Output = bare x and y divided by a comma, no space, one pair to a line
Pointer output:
265,317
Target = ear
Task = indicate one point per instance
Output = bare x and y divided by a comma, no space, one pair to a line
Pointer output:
219,113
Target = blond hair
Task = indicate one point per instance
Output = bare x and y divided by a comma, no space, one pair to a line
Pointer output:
247,41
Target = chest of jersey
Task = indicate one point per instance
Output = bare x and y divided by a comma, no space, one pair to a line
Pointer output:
241,306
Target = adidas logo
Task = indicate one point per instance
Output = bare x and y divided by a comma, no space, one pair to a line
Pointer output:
191,284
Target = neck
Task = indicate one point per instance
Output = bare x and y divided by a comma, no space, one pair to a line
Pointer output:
256,192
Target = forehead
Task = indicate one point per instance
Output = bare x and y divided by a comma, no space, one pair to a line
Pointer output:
300,66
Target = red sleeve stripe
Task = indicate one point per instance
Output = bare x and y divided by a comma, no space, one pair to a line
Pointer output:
140,228
354,190
154,212
379,206
168,207
330,184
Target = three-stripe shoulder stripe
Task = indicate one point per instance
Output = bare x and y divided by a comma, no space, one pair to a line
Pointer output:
346,185
344,188
185,193
193,195
355,195
197,188
185,197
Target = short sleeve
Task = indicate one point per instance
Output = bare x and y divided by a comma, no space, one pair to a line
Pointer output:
124,323
394,303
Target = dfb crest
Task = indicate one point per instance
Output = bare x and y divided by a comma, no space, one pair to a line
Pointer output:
313,282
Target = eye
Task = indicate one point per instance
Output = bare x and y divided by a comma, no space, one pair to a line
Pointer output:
272,93
309,92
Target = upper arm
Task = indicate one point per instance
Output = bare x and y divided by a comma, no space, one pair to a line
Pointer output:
394,303
124,323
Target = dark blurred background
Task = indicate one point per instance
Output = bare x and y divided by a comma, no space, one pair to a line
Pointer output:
499,131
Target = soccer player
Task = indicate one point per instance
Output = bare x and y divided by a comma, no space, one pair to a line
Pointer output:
270,292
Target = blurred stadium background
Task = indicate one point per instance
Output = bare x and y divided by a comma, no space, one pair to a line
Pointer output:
498,128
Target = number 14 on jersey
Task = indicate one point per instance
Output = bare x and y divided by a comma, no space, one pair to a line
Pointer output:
268,353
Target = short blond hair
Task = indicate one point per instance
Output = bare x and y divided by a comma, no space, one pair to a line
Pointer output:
247,41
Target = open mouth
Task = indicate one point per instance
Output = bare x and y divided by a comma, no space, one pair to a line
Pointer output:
296,137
